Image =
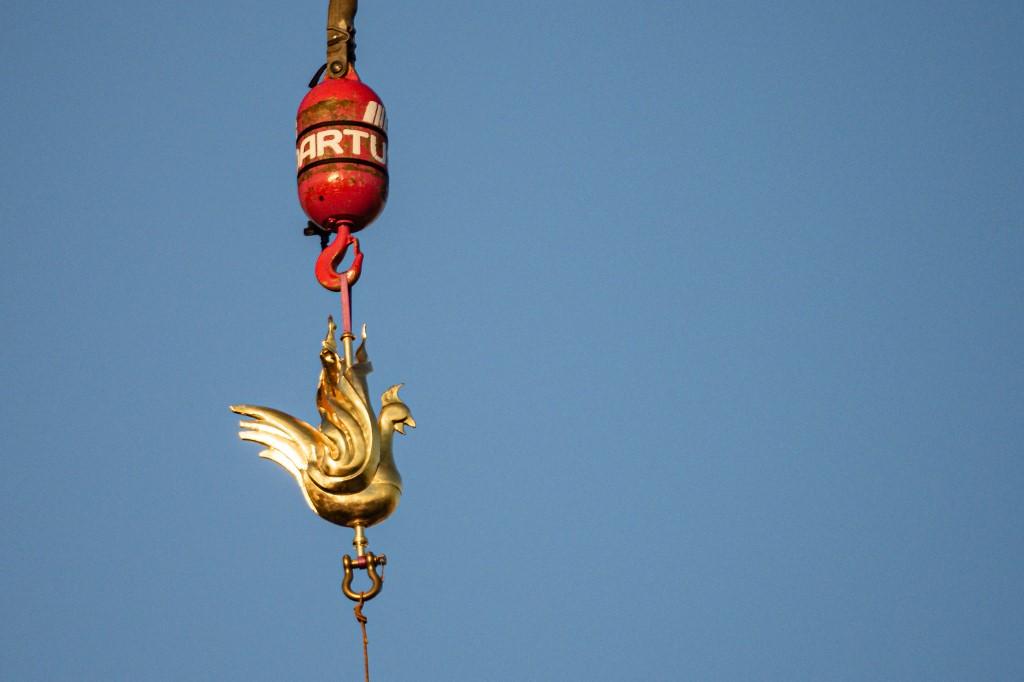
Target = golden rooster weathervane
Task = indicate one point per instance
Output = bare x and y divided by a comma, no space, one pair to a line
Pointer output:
345,468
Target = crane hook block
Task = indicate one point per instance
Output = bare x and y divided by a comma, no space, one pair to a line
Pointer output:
341,150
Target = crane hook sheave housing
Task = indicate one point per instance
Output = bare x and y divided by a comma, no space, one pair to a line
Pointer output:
341,149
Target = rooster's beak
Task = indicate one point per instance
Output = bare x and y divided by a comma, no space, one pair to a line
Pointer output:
400,426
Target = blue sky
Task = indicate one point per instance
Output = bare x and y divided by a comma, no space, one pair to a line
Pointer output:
710,315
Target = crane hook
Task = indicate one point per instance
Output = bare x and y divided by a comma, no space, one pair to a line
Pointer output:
328,260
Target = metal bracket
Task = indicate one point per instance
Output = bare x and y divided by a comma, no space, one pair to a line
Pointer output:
314,230
341,33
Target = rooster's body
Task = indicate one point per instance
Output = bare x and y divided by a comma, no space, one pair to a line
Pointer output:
345,469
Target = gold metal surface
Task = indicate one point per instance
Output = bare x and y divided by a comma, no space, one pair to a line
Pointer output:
346,340
359,541
346,468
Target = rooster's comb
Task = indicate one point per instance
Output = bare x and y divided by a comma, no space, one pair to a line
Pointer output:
390,396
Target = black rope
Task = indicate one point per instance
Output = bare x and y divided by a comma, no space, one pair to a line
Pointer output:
316,76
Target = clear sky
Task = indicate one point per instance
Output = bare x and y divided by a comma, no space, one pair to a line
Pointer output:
710,315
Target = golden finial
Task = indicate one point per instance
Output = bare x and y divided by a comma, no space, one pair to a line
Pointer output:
329,341
345,468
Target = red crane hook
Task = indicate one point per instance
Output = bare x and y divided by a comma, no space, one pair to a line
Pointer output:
327,263
327,274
